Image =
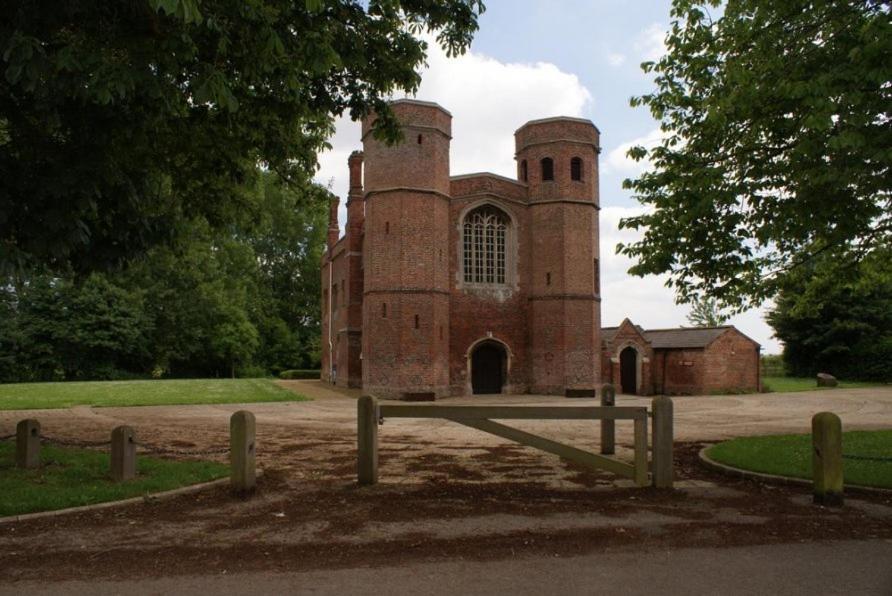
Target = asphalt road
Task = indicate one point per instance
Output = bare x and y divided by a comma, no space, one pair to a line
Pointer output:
862,568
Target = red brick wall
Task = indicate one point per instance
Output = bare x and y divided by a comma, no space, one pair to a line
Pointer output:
408,230
565,311
406,262
477,312
680,371
731,364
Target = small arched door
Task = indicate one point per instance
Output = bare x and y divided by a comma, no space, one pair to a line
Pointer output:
488,368
628,370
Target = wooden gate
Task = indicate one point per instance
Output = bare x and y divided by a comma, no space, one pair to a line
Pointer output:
371,414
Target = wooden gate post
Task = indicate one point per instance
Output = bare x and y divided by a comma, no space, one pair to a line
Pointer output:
826,437
367,440
641,451
123,454
242,432
27,444
608,427
663,472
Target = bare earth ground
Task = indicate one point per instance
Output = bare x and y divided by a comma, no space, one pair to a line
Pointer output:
447,493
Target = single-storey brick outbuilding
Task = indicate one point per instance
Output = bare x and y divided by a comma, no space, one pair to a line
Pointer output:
695,360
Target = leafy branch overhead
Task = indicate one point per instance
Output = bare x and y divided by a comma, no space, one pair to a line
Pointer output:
120,120
777,144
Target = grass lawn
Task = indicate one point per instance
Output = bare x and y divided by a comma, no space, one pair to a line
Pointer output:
787,384
73,477
29,396
790,455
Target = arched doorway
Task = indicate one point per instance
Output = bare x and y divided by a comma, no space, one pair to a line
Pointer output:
488,368
628,370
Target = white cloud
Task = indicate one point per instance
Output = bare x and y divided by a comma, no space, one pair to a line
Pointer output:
647,301
617,162
616,59
488,100
649,43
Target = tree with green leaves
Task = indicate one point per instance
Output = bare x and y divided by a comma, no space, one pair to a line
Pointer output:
835,318
122,121
705,312
776,148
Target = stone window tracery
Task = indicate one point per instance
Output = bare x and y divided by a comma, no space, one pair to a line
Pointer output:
485,232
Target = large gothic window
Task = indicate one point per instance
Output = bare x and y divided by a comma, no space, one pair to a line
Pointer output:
485,234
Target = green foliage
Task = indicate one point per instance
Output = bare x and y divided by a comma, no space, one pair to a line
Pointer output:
299,374
776,144
76,477
705,312
772,365
784,384
866,458
28,396
121,121
241,301
835,317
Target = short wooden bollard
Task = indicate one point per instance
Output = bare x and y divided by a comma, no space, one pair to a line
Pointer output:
242,429
123,454
663,471
367,437
608,427
826,438
27,444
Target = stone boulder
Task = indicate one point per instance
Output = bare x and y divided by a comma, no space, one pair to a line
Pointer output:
827,380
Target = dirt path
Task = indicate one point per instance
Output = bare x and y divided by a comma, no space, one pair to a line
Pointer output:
446,492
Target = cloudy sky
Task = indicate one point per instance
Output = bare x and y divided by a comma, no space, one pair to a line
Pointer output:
540,58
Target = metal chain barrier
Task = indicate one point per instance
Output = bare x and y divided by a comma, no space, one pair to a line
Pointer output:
146,446
879,458
73,443
169,451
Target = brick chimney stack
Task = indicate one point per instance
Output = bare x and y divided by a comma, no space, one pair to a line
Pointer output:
334,230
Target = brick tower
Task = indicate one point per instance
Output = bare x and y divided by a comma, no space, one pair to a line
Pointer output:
558,158
405,340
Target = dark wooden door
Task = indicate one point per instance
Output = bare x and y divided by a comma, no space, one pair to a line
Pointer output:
628,370
486,369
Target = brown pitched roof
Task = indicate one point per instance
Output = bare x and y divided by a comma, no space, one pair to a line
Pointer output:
680,337
684,337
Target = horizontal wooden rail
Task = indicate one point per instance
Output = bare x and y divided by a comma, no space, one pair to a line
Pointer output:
459,413
371,413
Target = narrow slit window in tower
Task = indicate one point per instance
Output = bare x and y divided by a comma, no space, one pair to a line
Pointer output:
523,170
416,321
547,169
576,169
597,276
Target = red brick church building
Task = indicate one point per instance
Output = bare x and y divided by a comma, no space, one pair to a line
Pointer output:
477,283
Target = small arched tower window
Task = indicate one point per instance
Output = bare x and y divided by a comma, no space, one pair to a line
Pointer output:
485,231
547,168
576,169
419,139
523,170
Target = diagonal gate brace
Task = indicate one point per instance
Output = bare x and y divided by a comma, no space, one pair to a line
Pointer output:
590,460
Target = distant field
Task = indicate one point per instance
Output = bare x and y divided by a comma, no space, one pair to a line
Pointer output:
787,384
29,396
